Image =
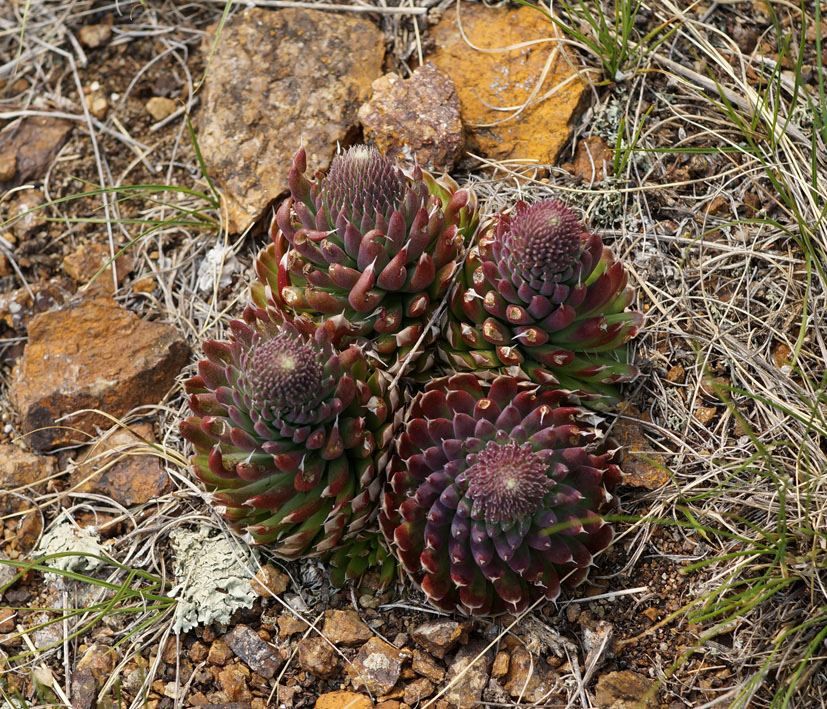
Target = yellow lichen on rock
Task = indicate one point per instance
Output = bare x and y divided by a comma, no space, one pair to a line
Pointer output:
503,79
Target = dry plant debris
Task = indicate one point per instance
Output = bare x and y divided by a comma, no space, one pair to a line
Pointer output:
713,192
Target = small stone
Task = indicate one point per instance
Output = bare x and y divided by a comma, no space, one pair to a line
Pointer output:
652,614
26,474
290,625
425,665
719,207
676,374
84,262
269,581
345,628
48,636
468,675
98,106
624,690
376,667
31,146
642,467
69,364
99,660
486,81
781,355
705,414
500,666
418,690
5,266
17,307
318,657
94,36
280,80
159,107
415,121
255,652
170,653
25,205
8,166
219,654
441,636
391,704
7,571
343,700
7,617
198,651
712,387
144,285
233,681
523,674
109,469
593,160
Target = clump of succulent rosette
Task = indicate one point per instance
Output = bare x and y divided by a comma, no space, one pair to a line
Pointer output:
368,552
541,293
290,434
369,244
495,493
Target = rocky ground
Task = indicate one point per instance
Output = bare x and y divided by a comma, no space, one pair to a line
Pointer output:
172,610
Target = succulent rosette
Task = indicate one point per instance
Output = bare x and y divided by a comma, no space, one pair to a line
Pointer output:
368,244
367,552
289,434
542,294
495,493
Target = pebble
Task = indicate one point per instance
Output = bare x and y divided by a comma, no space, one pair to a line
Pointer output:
219,654
318,657
31,146
290,625
159,107
345,628
109,469
255,652
26,203
376,667
468,675
94,36
233,681
7,618
21,469
425,665
416,120
417,690
441,636
500,666
343,700
624,690
269,581
84,262
523,674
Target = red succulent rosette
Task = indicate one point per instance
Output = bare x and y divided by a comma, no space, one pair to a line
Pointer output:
495,493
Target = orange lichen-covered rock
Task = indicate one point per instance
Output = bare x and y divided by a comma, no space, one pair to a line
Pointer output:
490,80
92,354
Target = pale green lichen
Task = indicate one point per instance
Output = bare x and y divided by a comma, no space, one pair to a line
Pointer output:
213,578
76,544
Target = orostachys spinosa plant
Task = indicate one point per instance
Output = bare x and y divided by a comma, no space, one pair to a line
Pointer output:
490,486
290,434
541,295
370,245
495,492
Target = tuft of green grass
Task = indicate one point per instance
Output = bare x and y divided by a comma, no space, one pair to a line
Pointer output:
607,36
